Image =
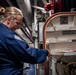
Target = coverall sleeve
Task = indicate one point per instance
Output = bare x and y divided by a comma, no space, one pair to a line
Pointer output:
20,49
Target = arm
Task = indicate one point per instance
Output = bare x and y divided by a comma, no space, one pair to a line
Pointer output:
20,49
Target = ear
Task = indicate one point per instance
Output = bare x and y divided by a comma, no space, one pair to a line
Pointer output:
7,19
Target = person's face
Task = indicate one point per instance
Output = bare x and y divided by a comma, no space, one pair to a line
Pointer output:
16,22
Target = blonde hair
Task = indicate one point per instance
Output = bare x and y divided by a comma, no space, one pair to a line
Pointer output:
9,11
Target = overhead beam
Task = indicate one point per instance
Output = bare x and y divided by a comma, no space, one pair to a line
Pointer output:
9,2
25,6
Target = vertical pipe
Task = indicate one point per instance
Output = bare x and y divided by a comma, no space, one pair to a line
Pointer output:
53,67
52,6
36,41
35,14
60,5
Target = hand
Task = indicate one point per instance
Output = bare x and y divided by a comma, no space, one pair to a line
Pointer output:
49,54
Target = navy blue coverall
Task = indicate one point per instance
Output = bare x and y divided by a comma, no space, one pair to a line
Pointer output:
14,52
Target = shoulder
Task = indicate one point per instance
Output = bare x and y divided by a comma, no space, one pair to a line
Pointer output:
4,30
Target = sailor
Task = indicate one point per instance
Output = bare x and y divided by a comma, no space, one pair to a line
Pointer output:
13,50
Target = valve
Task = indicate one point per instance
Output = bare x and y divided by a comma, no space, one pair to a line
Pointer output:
47,6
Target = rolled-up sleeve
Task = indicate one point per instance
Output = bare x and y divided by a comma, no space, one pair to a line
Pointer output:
21,51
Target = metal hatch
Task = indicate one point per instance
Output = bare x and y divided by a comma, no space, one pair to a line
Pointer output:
59,35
